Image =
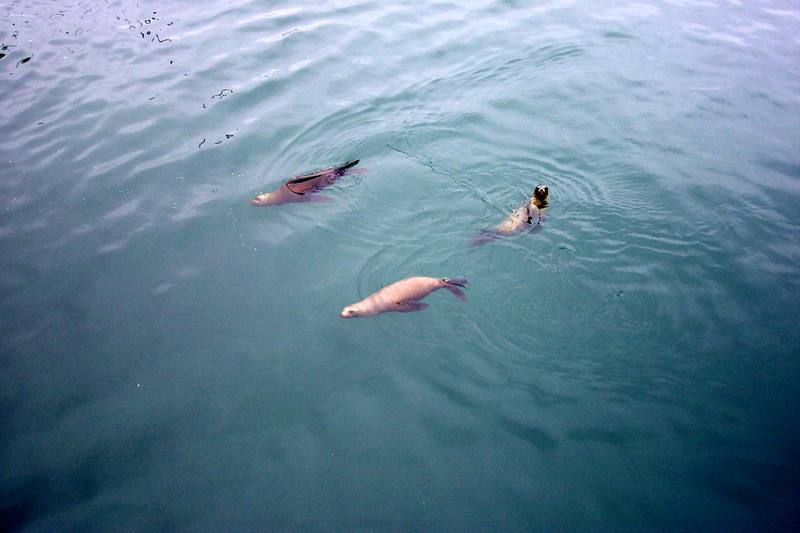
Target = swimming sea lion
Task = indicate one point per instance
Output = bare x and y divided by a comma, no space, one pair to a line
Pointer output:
531,213
299,189
524,217
403,296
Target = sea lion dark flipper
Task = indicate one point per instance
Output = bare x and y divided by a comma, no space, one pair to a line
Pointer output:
349,164
305,183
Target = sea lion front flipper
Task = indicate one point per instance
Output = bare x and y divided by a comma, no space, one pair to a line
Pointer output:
319,198
535,215
409,306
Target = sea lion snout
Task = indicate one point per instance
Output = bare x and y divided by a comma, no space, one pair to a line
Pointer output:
541,196
349,312
261,199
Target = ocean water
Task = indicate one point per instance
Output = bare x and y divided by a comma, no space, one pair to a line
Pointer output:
172,358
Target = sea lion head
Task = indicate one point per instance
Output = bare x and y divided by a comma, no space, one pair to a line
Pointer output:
261,199
351,311
541,196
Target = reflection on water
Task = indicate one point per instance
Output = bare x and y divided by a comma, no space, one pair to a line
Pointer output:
173,357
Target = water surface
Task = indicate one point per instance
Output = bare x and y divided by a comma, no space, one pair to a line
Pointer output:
172,357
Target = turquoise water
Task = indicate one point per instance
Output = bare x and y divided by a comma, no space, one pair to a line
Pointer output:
172,357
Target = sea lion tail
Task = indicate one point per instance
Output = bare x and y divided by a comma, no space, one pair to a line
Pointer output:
453,285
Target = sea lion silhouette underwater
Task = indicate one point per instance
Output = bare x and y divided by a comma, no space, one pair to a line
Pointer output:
300,188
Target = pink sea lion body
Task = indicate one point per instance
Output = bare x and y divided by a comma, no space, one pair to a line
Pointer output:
404,296
300,188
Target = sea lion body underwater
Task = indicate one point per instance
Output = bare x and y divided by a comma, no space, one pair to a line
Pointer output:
299,189
404,296
523,218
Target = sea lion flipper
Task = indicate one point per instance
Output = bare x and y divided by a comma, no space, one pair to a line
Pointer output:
319,179
320,173
484,237
453,285
302,179
318,198
349,164
409,306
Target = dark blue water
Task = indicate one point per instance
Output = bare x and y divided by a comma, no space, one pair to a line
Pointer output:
172,357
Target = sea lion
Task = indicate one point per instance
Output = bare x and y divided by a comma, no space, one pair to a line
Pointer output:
299,189
403,296
530,214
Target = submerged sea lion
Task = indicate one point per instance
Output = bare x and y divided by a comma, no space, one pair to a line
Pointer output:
403,296
522,218
299,189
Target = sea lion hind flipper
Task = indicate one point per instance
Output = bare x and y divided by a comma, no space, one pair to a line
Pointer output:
458,293
453,285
